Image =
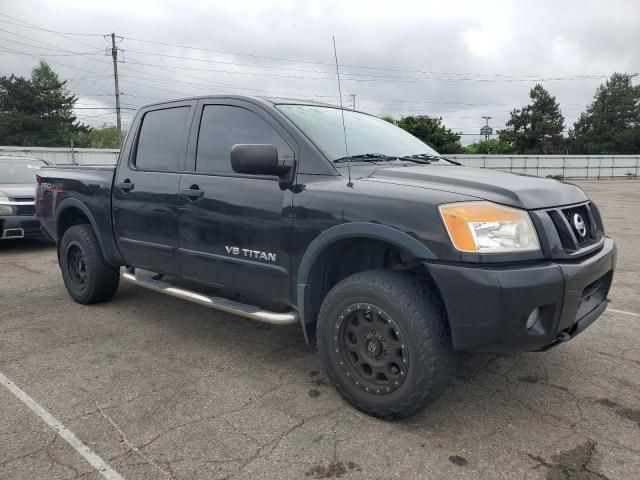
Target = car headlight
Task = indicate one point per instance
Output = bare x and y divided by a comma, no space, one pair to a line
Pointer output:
5,208
485,227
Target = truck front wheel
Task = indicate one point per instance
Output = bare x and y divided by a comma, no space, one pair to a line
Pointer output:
385,343
87,276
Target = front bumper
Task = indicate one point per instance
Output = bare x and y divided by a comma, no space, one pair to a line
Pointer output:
19,226
488,306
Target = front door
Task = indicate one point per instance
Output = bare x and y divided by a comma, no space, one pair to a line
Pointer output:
234,229
146,189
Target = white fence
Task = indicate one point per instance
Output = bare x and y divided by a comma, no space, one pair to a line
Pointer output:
66,156
567,166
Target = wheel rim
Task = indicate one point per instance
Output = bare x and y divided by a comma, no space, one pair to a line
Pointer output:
372,349
76,265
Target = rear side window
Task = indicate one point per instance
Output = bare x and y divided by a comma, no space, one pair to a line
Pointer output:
222,127
161,143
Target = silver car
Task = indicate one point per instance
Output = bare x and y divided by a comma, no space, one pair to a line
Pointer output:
17,193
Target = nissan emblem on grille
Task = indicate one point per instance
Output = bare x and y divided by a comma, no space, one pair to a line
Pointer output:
579,225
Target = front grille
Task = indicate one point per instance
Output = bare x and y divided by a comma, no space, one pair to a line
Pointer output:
25,210
579,221
577,226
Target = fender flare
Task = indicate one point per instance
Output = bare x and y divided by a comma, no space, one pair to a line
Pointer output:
350,230
68,203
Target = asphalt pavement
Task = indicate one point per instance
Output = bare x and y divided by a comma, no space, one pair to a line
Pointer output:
159,388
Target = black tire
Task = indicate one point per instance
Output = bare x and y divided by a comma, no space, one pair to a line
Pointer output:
401,311
87,277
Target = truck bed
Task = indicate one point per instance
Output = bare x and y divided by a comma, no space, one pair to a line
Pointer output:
86,188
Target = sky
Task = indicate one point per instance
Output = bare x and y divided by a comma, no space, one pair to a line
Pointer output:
457,60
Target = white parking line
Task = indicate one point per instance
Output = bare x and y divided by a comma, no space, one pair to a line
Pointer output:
623,312
89,455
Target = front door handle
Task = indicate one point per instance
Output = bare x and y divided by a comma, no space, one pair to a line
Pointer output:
125,186
193,193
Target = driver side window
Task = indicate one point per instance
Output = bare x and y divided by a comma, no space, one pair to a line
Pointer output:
222,127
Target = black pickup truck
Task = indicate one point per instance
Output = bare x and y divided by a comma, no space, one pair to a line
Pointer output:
390,257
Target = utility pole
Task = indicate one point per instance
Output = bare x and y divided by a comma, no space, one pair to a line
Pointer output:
353,101
114,55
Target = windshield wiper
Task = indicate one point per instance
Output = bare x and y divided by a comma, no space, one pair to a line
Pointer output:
427,158
365,157
422,158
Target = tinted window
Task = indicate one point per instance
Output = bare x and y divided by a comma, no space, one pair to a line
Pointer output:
222,127
161,143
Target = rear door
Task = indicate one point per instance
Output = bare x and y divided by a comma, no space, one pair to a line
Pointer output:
146,188
234,229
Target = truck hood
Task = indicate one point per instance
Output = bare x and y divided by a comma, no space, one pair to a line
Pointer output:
522,191
18,190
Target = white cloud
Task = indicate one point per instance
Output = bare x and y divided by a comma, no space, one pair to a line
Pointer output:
545,39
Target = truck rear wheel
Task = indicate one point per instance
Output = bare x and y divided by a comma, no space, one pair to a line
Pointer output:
87,277
385,343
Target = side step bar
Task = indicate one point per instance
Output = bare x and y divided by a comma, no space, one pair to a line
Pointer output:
229,306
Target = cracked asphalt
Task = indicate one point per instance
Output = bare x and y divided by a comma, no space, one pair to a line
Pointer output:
160,388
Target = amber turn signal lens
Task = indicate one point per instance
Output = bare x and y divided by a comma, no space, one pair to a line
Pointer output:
485,227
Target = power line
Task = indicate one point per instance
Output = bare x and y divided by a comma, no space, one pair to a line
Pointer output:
368,67
223,62
48,45
281,59
504,76
197,85
25,24
54,32
372,77
501,76
209,83
49,48
507,78
34,55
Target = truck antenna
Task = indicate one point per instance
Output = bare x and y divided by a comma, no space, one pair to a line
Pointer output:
344,128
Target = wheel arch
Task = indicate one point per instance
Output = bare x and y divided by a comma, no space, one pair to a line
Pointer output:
372,245
72,212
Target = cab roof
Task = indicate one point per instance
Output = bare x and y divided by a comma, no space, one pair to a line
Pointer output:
251,98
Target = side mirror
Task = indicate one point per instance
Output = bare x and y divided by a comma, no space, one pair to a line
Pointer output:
258,159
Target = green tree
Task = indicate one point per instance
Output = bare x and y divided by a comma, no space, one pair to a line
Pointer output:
431,131
611,124
492,146
38,111
103,137
536,128
389,119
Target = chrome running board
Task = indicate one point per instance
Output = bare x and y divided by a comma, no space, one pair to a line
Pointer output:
222,304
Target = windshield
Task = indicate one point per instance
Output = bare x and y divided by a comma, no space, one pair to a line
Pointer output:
365,133
19,170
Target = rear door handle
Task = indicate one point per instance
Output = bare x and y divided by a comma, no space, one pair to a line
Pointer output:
125,186
193,193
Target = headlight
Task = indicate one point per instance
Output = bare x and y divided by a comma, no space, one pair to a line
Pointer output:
4,208
485,227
